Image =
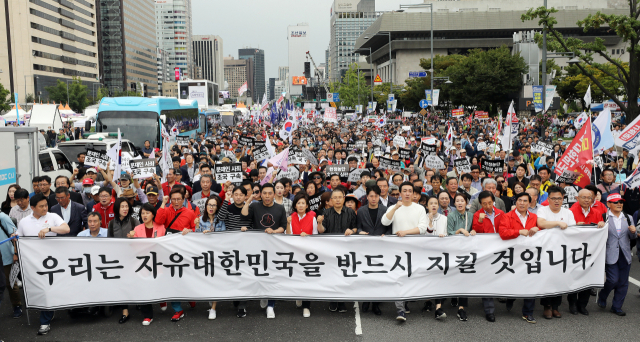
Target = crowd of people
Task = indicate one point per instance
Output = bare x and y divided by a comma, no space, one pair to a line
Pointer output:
416,199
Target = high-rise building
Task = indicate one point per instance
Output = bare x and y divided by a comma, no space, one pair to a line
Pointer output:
209,58
298,41
349,18
283,73
236,73
46,41
163,69
173,34
271,89
258,81
128,56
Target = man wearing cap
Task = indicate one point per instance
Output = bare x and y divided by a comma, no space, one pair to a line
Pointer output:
153,194
87,184
618,259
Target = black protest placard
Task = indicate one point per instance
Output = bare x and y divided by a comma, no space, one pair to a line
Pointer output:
351,146
260,151
496,166
296,156
405,153
228,172
462,165
315,201
97,159
142,168
390,164
340,170
427,150
182,140
567,177
247,141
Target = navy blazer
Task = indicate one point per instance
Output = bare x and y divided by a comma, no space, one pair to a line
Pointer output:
77,219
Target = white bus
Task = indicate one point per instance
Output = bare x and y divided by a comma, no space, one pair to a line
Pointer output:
204,92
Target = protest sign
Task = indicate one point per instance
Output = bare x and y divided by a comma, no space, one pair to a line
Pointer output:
247,141
482,146
428,149
390,164
354,175
142,168
229,172
432,161
545,148
462,165
330,115
310,157
495,166
182,140
296,156
340,170
399,141
404,153
293,173
260,151
315,201
97,159
568,177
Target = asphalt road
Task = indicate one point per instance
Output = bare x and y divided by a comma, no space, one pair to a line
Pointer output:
323,325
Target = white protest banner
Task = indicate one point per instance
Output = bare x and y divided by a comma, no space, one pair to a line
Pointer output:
633,180
496,166
310,157
246,141
390,164
340,170
568,177
534,147
142,168
571,196
200,203
260,151
432,161
399,141
182,140
406,128
355,174
482,146
229,172
296,156
293,173
361,144
330,115
545,148
599,162
126,157
462,165
404,153
183,268
377,150
97,159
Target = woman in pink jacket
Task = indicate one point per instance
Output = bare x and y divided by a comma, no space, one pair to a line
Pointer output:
148,229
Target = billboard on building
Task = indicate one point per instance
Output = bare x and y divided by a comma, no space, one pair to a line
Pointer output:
345,5
298,44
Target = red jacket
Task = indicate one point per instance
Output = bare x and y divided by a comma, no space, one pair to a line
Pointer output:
594,216
166,189
185,220
510,225
486,226
105,213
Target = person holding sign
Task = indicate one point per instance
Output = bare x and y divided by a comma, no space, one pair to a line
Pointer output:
516,223
405,217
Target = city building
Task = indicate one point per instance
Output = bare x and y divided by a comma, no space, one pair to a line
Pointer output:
163,70
128,45
236,73
298,42
46,41
170,89
279,87
258,80
173,34
283,73
460,26
208,57
271,89
349,19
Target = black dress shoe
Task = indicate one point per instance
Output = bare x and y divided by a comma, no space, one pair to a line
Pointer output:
583,310
491,317
618,312
365,307
123,319
376,309
573,309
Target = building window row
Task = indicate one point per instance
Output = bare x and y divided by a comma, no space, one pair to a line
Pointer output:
63,59
62,34
62,11
63,22
64,71
70,4
65,47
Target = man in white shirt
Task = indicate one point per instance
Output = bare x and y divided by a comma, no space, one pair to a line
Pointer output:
42,223
93,221
411,218
554,216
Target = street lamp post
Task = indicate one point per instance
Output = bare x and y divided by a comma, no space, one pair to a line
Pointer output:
68,91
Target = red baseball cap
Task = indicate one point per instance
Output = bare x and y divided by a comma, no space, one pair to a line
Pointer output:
87,181
615,198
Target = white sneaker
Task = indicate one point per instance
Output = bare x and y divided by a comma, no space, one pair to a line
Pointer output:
212,314
44,329
270,312
263,303
298,303
163,308
19,283
147,321
306,313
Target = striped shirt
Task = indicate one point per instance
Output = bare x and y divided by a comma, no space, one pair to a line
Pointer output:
19,214
232,216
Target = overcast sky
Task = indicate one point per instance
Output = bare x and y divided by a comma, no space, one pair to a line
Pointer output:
263,24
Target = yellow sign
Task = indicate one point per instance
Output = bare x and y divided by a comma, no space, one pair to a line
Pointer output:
423,112
333,104
377,80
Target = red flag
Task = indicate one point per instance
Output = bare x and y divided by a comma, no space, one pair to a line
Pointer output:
576,156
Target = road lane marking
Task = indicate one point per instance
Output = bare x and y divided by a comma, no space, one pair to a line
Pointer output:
356,306
634,281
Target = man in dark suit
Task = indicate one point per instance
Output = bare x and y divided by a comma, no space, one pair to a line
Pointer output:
385,199
74,214
369,222
64,181
189,170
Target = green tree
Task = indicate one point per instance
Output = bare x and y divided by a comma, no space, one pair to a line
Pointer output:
353,88
77,95
573,85
627,27
30,98
127,93
102,92
5,99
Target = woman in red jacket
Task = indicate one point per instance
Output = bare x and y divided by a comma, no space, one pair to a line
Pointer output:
303,222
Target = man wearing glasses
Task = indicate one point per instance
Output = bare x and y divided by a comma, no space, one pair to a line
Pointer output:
555,216
475,173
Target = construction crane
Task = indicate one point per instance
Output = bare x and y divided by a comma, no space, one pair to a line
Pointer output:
320,79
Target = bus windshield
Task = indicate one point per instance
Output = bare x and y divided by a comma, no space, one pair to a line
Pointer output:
136,126
228,120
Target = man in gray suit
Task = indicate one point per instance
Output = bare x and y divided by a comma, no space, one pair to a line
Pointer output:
490,185
74,214
618,259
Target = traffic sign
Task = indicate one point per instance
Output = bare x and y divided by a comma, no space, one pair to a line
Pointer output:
423,112
424,104
417,74
333,97
377,80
